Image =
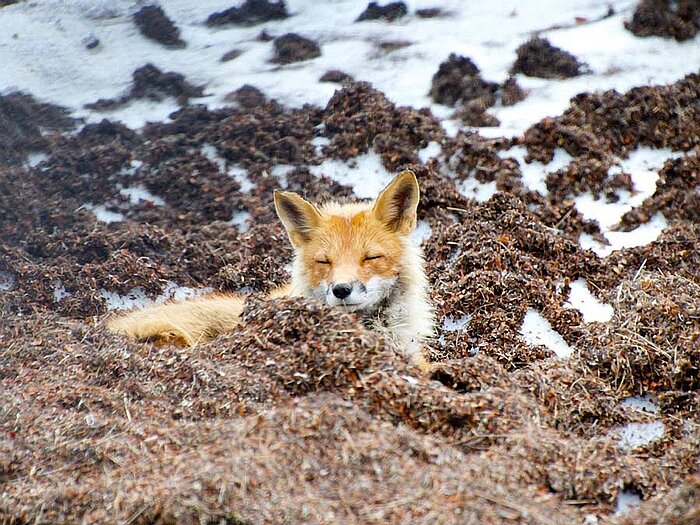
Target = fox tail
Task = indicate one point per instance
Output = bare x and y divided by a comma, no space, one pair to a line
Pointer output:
184,323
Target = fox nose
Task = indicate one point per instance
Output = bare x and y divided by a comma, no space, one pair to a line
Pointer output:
341,291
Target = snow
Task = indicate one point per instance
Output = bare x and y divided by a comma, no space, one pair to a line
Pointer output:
450,324
7,281
59,291
627,500
139,193
102,214
535,173
137,298
640,236
241,219
585,302
537,331
365,174
422,233
645,403
479,191
633,435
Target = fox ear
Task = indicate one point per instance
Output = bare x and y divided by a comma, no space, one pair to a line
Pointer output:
397,204
299,216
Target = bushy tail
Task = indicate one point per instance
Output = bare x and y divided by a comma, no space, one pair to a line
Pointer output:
185,323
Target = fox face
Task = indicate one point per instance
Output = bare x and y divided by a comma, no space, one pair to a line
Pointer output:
351,255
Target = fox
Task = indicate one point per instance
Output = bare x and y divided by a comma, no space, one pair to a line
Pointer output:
355,255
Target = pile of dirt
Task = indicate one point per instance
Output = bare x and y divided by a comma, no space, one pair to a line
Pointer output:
395,133
538,58
388,12
251,12
151,83
679,19
290,48
22,119
677,194
600,124
335,76
155,25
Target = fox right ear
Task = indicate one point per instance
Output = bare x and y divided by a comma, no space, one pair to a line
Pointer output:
299,216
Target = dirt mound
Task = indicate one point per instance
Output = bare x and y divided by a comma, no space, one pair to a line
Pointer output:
336,76
155,24
599,124
151,83
538,58
22,119
677,194
388,12
291,48
677,19
459,80
251,12
395,133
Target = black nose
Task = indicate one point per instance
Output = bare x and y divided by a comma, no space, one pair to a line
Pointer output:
341,291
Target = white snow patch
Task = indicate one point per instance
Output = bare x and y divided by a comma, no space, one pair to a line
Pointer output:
536,331
432,150
535,173
136,297
450,324
319,143
280,172
102,213
212,155
59,291
140,193
7,281
241,220
588,304
626,500
640,236
633,435
240,175
479,191
422,233
34,159
645,403
365,174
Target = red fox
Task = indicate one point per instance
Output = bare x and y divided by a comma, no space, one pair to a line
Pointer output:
358,256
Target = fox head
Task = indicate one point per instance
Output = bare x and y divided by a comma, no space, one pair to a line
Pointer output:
351,255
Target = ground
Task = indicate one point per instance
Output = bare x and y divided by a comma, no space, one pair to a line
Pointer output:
561,241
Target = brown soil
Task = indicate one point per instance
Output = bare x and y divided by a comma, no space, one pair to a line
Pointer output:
459,80
539,58
155,24
300,415
677,19
388,12
151,83
249,13
291,48
22,119
335,76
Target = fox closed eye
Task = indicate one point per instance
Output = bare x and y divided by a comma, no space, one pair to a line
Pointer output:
323,261
372,257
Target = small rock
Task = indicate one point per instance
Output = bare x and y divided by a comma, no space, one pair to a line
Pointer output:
388,12
511,92
539,58
251,12
154,24
458,79
91,42
430,12
336,76
231,55
294,48
247,96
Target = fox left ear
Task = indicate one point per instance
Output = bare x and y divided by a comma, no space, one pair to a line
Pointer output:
397,204
299,216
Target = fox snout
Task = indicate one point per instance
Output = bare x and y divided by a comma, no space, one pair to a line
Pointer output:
341,291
